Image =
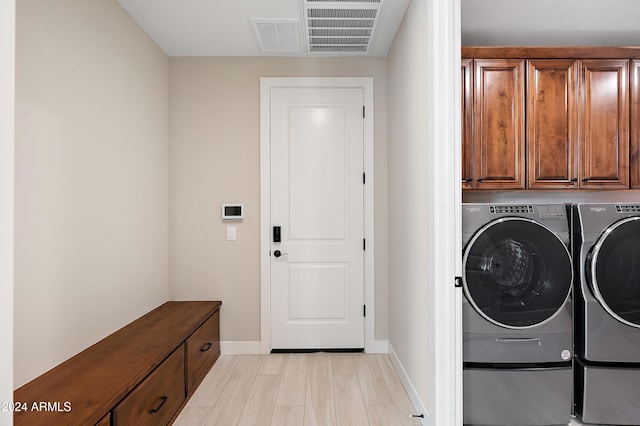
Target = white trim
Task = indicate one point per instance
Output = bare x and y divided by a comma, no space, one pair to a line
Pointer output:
443,103
266,85
455,33
408,386
240,348
7,180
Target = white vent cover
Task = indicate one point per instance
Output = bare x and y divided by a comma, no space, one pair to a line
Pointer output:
277,35
340,26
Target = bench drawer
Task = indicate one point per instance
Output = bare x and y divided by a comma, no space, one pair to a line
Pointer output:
203,349
157,398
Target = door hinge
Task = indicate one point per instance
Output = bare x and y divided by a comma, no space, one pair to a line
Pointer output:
364,310
458,282
363,111
364,244
364,178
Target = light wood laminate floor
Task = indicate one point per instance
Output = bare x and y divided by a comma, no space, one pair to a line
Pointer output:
300,389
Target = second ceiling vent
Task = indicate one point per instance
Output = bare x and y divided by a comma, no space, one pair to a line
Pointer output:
277,35
340,26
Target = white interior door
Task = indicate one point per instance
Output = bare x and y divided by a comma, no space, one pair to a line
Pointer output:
317,268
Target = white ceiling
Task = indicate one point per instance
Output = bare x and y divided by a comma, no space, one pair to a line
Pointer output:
550,22
222,28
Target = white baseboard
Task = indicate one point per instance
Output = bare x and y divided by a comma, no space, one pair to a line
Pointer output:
240,348
408,386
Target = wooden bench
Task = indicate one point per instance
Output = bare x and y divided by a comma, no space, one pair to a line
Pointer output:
143,374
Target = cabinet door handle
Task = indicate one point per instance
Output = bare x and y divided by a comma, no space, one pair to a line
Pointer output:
468,180
163,400
205,347
480,179
585,180
574,180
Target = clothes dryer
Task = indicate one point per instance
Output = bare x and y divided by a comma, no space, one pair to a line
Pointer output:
517,349
606,244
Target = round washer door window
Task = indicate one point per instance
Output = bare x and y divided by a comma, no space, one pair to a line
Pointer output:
614,274
517,272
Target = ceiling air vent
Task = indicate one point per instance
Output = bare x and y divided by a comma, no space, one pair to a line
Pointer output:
340,26
277,35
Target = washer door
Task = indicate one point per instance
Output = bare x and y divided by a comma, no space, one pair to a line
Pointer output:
517,272
614,270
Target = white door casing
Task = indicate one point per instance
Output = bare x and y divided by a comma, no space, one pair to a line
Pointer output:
305,161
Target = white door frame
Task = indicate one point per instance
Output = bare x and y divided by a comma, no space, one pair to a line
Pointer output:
7,166
266,85
444,124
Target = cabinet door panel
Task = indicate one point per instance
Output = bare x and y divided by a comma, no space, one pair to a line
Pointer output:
552,124
604,132
499,123
467,114
635,124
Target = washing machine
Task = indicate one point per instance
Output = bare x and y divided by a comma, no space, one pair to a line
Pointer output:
517,314
606,244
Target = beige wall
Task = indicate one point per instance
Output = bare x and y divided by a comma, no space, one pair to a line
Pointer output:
215,158
7,67
410,184
91,178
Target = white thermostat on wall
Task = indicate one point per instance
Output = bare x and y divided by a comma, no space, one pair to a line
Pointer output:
233,211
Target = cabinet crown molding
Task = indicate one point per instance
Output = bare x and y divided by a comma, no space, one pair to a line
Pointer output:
539,52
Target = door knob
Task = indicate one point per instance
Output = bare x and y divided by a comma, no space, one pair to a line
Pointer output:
278,253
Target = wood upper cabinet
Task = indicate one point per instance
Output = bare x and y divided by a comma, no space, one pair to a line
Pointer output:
498,143
582,119
552,121
635,125
604,124
467,115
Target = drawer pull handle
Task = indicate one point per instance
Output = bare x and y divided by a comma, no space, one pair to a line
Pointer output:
206,347
163,400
